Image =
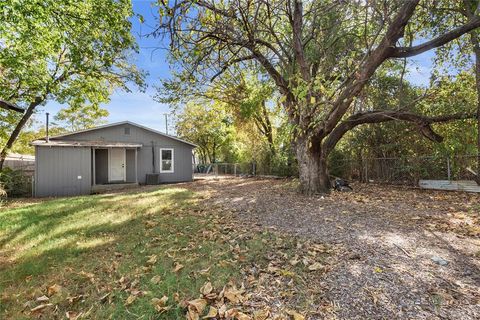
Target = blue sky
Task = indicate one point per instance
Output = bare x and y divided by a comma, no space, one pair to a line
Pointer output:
140,107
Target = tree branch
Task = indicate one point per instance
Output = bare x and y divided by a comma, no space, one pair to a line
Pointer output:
355,83
404,52
422,122
10,106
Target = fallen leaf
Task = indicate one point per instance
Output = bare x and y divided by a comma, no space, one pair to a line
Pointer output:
161,304
53,290
378,270
156,279
152,260
261,314
295,315
243,316
177,267
316,266
198,304
234,295
222,310
130,299
71,315
212,313
206,289
176,297
204,271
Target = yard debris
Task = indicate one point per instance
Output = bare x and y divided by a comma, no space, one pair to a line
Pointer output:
105,297
43,298
40,307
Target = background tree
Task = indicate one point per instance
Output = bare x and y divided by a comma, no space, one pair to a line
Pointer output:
206,125
462,54
62,51
320,55
81,116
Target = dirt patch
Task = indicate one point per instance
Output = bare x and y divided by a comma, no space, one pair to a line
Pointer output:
387,236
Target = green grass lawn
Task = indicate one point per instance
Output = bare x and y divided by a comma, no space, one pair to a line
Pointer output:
100,245
89,254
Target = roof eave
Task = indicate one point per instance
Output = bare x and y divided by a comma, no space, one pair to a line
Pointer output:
125,122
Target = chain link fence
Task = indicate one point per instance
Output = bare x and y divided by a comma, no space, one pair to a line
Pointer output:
226,169
408,170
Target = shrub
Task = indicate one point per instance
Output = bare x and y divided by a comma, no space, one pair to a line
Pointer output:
14,183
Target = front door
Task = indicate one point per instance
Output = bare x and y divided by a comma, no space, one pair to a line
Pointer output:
117,164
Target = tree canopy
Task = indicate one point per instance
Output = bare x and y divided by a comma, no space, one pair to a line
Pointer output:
320,54
67,51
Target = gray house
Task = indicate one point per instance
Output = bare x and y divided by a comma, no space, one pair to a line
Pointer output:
113,155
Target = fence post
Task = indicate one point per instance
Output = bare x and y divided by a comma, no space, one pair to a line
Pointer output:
366,170
234,169
448,168
215,169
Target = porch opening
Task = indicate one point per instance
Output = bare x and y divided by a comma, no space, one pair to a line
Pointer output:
114,166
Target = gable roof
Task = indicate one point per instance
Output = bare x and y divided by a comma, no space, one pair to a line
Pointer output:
122,123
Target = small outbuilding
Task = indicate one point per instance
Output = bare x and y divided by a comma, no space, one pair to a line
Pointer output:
109,156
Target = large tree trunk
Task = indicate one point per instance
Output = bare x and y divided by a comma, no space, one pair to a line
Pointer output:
13,137
312,167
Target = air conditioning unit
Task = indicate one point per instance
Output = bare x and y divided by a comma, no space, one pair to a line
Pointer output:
153,178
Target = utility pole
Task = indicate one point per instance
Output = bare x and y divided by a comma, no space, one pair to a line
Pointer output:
166,122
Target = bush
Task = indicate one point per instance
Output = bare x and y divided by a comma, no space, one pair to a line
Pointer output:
3,195
14,183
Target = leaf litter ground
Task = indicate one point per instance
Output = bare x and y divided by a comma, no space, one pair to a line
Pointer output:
387,241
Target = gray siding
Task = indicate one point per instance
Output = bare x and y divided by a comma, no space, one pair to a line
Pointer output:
183,152
57,168
57,171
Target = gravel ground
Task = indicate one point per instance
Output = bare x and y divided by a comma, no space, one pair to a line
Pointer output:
387,237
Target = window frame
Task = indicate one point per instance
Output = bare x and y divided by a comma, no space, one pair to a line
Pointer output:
172,170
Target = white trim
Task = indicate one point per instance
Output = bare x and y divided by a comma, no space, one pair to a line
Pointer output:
125,122
136,165
173,161
94,182
110,165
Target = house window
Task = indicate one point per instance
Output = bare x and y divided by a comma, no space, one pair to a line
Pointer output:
126,131
166,160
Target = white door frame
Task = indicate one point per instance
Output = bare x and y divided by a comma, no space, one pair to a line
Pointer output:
110,166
